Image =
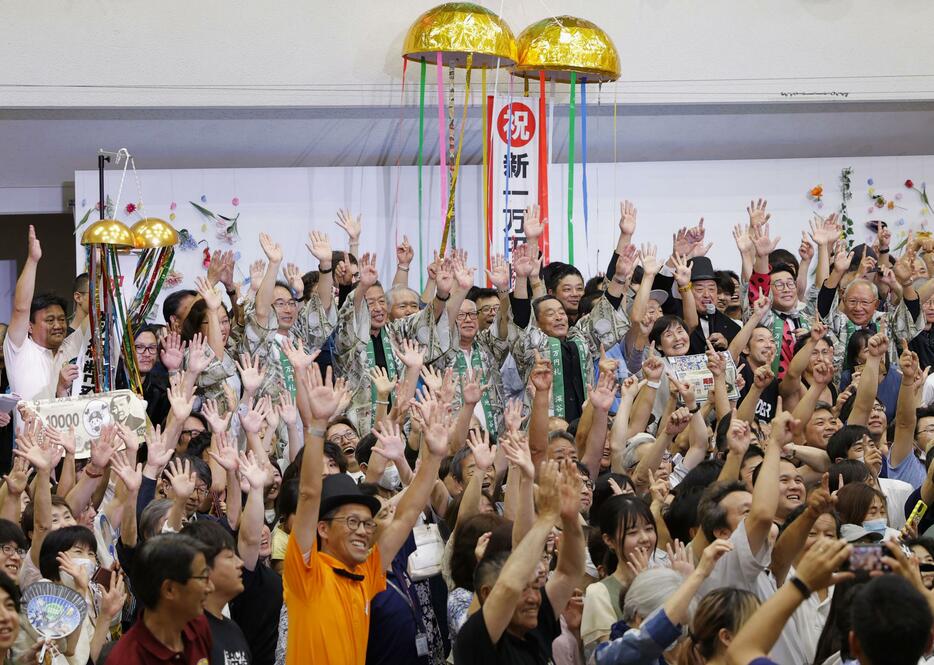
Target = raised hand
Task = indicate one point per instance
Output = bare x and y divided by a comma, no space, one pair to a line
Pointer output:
681,557
351,225
61,438
712,553
286,408
757,213
762,242
569,491
214,268
603,394
181,478
738,437
103,448
472,386
549,496
132,476
293,277
648,256
181,401
627,218
499,272
257,270
652,366
325,394
625,263
226,453
320,246
252,470
381,381
206,289
389,441
715,362
842,258
271,248
825,231
784,426
483,453
404,253
250,374
681,269
532,223
743,240
512,415
806,249
432,378
542,373
216,421
437,426
17,480
678,421
172,353
33,248
296,355
763,377
28,448
368,273
199,354
516,448
463,275
411,353
113,596
252,420
159,452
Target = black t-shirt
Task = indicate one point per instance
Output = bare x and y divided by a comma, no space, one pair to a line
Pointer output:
256,610
768,400
228,646
473,646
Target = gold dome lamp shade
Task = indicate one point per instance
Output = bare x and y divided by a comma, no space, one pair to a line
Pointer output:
564,44
459,29
108,232
152,233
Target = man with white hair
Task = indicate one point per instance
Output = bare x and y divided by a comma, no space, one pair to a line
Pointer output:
858,307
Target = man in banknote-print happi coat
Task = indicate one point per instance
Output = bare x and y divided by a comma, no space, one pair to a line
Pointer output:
483,351
366,338
276,317
572,350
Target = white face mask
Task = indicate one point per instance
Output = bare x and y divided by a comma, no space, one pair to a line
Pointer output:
390,480
89,565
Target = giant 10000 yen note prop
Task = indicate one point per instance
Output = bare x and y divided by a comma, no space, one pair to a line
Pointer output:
89,414
464,35
570,50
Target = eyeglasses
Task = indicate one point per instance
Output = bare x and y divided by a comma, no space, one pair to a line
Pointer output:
192,433
204,577
346,437
926,430
280,303
148,350
784,285
353,523
589,484
853,303
466,316
10,550
488,309
202,491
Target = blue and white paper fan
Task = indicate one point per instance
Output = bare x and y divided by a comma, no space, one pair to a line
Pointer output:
55,611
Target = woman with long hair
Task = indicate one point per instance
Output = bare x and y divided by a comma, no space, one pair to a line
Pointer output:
717,619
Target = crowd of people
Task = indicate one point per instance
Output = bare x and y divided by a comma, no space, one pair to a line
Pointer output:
345,471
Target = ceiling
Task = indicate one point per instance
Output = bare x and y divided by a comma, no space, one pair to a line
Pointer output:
43,148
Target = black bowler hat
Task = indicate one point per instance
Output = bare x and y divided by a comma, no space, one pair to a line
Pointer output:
701,268
339,489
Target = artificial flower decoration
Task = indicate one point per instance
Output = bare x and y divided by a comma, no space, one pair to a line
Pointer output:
909,184
923,193
815,193
130,208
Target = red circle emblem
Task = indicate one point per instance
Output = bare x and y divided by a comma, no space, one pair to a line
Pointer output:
523,124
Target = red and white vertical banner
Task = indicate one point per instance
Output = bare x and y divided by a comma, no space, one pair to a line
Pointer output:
513,183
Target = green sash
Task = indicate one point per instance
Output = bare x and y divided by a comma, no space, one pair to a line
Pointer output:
371,363
460,366
288,373
557,386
